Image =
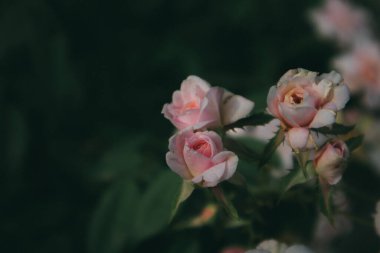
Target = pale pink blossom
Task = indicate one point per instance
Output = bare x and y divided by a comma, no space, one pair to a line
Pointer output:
302,100
233,249
273,246
361,70
337,19
199,105
331,160
200,157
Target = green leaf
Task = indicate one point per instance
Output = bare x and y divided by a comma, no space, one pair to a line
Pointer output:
271,147
123,159
225,203
354,142
157,204
111,229
335,129
238,180
326,201
298,176
253,120
239,147
186,190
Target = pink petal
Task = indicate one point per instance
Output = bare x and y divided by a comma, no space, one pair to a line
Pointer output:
177,165
341,96
209,111
323,118
298,137
297,116
235,107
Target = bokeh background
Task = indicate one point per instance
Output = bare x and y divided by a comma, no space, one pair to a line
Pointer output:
82,85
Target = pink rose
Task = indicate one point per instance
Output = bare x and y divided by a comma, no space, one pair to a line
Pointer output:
330,161
200,157
198,105
302,100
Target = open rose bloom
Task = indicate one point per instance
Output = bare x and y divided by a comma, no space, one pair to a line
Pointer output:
302,100
331,160
200,157
199,105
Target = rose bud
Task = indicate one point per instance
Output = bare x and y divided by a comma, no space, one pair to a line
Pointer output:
200,157
198,105
330,161
302,100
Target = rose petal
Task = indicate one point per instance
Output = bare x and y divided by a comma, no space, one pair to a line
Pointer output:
235,107
323,118
212,176
230,158
341,96
193,87
196,162
209,113
298,137
272,101
297,116
177,165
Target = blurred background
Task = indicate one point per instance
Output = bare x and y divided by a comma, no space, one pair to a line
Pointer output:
82,85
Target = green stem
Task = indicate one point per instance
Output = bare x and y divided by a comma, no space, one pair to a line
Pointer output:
224,202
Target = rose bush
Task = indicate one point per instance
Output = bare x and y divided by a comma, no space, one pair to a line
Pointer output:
330,161
302,100
199,105
200,157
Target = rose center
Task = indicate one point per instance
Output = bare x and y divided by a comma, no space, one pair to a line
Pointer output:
202,147
191,105
295,96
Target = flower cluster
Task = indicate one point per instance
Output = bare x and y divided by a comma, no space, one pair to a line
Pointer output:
303,102
301,114
195,152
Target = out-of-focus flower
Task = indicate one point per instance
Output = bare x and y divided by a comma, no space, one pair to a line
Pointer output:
337,19
377,218
331,160
273,246
198,105
200,157
302,100
205,216
361,70
233,250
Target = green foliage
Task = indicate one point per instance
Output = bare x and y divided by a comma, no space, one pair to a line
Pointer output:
297,176
156,207
354,142
253,120
334,129
113,225
271,147
125,217
326,205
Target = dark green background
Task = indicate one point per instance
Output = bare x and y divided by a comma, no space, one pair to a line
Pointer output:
82,84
